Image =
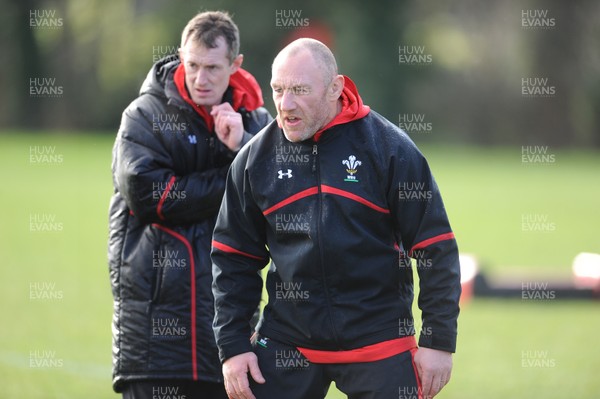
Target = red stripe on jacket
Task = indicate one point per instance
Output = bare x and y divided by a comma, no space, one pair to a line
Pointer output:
226,248
369,353
302,194
192,293
353,197
327,190
163,197
431,241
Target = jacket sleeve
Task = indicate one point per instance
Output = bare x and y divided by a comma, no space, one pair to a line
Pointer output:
254,122
238,254
423,229
145,176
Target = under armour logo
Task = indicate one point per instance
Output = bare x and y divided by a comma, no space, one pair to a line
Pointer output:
192,139
288,174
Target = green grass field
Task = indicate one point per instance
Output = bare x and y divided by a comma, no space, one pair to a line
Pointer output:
55,293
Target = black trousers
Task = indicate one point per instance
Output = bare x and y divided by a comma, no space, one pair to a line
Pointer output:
173,389
290,375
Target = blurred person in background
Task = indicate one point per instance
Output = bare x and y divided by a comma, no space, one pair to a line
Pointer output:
175,144
334,222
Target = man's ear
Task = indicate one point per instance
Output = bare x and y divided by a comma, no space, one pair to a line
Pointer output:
237,63
336,87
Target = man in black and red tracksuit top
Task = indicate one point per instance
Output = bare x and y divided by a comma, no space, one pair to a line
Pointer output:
340,200
170,160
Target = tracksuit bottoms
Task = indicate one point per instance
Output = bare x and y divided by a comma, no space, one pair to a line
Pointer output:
290,375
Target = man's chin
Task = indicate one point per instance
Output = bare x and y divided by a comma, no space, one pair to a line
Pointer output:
204,102
296,137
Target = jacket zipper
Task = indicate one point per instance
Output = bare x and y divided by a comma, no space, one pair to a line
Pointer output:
315,168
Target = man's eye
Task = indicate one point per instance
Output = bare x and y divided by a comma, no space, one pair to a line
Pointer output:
299,90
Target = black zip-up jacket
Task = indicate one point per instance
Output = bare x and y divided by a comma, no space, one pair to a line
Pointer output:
169,176
334,214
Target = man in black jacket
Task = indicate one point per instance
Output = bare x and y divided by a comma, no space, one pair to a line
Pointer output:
339,200
170,160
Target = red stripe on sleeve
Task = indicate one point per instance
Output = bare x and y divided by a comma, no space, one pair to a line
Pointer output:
226,248
432,240
354,197
163,197
302,194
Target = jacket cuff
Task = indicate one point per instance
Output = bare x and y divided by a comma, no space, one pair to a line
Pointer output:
441,342
234,348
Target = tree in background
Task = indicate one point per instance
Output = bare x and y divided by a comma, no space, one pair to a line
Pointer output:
470,90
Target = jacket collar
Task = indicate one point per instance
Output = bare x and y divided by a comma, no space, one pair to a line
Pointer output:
243,92
352,108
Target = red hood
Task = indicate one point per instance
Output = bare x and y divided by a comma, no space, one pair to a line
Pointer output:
246,93
352,107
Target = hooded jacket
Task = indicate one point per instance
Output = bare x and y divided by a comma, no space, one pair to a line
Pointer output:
340,216
169,173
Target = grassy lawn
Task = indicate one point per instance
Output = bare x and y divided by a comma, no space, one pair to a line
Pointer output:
55,335
514,349
489,193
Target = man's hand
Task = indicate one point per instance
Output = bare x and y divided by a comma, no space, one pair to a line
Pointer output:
434,368
228,126
235,371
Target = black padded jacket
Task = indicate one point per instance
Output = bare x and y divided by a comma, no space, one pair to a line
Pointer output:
169,176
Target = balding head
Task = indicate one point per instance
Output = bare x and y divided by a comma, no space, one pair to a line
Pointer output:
306,88
320,53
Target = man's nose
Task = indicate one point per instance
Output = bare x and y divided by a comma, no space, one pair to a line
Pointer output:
201,77
288,101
